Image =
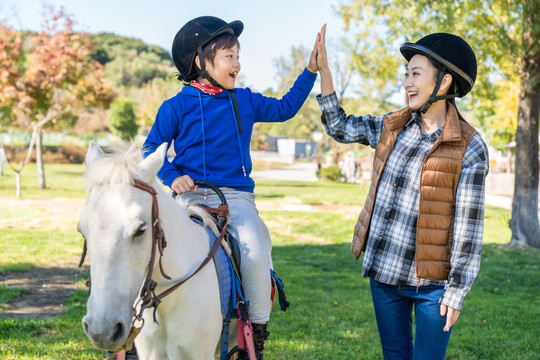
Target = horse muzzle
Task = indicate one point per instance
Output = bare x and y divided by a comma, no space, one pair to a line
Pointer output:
106,333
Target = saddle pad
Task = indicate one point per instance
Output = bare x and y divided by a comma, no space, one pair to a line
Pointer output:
223,271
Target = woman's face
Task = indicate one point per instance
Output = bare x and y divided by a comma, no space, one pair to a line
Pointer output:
226,67
419,81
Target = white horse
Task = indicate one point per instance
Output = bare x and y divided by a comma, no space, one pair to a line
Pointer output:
116,223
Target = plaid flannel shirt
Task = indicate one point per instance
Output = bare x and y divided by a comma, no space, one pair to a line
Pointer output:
390,252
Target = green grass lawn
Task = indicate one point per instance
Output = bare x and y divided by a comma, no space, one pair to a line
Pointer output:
62,180
331,315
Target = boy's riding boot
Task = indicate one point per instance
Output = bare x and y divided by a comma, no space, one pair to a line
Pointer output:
260,335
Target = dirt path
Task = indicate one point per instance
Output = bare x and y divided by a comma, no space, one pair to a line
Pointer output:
48,290
48,287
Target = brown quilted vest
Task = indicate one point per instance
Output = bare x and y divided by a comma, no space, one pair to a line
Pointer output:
439,179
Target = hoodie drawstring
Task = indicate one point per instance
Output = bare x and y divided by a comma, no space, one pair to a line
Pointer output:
237,130
203,143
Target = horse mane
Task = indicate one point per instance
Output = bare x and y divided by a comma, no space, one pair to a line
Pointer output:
121,165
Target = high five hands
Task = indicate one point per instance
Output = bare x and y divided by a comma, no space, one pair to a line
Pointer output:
318,60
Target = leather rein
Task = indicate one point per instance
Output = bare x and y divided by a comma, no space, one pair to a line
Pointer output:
148,297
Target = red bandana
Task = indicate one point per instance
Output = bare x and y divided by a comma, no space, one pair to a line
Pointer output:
206,88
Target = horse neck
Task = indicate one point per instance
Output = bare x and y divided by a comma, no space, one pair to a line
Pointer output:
187,242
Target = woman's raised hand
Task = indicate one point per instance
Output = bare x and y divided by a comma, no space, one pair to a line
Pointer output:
322,59
327,84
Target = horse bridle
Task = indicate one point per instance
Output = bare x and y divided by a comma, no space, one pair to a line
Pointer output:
148,297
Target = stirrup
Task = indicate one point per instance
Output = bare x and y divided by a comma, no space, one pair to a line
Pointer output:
242,354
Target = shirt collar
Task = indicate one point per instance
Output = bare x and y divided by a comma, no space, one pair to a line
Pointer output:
450,131
415,118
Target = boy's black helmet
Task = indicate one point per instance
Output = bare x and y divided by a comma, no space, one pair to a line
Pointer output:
193,36
452,52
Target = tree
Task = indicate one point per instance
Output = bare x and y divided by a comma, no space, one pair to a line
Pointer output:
524,222
505,36
50,115
2,160
307,119
52,80
122,119
11,60
149,97
58,63
289,67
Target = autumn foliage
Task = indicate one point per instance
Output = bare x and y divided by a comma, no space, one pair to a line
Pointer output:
56,71
47,82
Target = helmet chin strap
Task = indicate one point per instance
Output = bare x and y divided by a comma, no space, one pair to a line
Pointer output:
434,98
204,73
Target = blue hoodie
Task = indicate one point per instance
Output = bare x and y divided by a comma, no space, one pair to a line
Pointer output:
207,142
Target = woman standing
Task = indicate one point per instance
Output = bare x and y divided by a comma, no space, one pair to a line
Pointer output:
422,223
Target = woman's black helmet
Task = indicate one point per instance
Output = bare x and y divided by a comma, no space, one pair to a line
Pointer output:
452,52
190,39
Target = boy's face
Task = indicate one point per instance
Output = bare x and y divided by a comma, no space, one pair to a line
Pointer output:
419,81
226,67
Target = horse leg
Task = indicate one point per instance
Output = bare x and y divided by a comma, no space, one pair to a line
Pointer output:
187,346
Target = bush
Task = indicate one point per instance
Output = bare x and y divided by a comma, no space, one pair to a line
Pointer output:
332,173
122,119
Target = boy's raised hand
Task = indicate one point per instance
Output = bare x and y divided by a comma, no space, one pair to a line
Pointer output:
312,64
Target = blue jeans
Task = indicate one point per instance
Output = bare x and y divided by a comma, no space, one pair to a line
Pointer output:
393,309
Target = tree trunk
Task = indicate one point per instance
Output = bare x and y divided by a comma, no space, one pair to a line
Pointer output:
18,184
524,222
39,160
2,160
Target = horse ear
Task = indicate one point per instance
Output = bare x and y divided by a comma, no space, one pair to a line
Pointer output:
153,162
94,153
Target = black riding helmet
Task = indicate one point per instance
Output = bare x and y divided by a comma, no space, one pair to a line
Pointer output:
191,38
456,56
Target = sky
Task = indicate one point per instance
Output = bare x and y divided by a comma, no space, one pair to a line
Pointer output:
271,27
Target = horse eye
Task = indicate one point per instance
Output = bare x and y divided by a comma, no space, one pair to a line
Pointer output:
140,231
